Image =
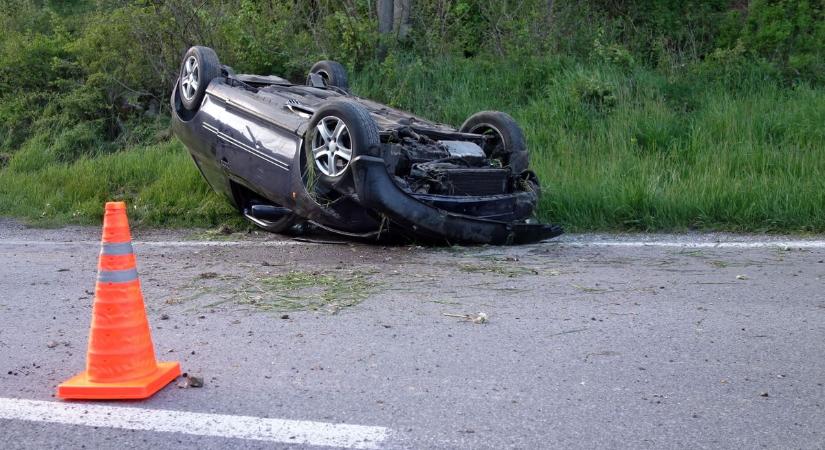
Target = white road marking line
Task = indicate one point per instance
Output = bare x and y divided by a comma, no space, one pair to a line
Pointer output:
202,424
11,242
700,244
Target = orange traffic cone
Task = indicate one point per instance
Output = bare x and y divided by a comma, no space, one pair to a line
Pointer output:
120,362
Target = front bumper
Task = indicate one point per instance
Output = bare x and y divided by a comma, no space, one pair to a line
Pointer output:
376,190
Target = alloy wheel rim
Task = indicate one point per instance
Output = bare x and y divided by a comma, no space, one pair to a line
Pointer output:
331,146
190,78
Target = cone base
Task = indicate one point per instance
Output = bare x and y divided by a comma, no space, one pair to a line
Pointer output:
80,388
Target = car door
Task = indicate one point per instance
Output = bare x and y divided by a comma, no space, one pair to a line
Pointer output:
257,142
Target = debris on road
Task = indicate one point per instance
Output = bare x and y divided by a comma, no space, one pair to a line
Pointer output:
474,318
741,277
302,290
190,381
577,330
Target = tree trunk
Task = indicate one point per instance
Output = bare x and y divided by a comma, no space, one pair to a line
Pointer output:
401,18
384,9
394,17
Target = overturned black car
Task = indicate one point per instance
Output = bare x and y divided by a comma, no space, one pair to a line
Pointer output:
288,155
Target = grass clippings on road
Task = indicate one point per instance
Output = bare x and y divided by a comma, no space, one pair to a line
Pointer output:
507,270
296,290
306,291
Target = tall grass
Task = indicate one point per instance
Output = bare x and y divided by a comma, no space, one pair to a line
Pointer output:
616,149
160,183
633,149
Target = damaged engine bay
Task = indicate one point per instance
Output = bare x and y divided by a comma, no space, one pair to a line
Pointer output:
430,169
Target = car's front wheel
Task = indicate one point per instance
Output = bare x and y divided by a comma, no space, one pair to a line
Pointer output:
337,133
504,141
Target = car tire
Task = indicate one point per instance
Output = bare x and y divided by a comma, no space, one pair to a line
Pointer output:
327,154
509,146
199,67
333,73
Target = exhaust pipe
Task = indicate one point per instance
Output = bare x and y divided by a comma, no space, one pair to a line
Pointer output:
269,213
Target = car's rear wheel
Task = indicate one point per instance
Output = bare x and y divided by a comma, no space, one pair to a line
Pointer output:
505,139
332,72
199,67
337,133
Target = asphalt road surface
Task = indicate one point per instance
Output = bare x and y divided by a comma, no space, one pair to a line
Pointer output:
699,341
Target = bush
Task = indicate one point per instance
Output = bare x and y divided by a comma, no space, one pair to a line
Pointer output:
595,94
790,34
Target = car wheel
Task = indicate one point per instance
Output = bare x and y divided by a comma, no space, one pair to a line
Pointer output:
337,133
506,142
333,73
200,66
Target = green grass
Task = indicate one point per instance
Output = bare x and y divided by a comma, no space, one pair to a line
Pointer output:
635,150
160,183
616,149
